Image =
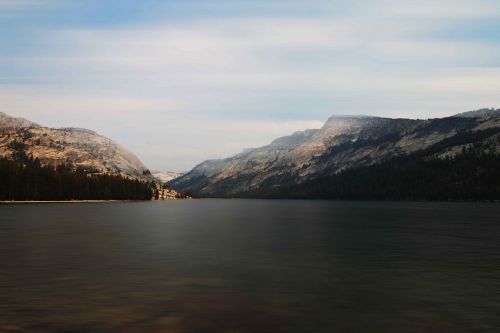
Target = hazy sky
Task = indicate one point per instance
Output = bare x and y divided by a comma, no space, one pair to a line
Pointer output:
182,81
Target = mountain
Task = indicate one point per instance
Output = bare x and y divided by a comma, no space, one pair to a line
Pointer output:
165,176
81,148
343,143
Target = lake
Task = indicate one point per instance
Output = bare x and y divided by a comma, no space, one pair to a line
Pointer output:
250,266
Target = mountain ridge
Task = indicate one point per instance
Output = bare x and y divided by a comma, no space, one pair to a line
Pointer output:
341,143
70,151
82,148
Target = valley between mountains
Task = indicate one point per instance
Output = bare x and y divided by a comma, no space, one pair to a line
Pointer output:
349,157
79,150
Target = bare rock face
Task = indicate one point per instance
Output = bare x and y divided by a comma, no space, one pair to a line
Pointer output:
81,148
165,176
343,142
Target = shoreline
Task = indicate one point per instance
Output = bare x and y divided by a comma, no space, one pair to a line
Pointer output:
13,202
64,201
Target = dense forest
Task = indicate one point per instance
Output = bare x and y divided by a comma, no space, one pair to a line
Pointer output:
472,174
24,178
464,177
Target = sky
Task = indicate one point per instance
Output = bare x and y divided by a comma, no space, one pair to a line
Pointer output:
182,81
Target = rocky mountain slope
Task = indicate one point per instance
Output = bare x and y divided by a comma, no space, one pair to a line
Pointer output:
83,149
165,176
342,143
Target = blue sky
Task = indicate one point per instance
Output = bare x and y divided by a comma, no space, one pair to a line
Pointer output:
179,82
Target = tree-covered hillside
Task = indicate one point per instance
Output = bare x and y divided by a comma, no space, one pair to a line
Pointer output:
470,174
342,143
24,178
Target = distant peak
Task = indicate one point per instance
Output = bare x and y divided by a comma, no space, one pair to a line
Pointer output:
346,122
294,139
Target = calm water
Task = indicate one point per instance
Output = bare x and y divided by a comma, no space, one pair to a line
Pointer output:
250,266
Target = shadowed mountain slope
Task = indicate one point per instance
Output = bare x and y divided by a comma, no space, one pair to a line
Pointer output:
343,143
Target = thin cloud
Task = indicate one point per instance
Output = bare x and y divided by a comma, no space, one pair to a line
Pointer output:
201,77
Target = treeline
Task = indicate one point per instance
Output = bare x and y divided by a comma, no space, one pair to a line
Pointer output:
465,177
473,174
24,178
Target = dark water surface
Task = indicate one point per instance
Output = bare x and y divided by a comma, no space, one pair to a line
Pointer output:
250,266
